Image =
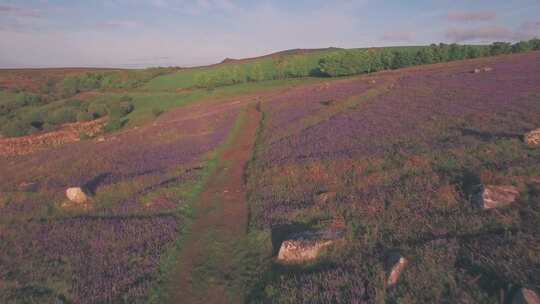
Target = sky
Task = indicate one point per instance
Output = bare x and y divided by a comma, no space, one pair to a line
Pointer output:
143,33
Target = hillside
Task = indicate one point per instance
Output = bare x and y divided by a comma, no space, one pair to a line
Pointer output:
305,176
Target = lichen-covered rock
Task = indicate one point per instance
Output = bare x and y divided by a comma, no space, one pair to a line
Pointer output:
307,246
526,296
533,138
76,195
490,197
395,264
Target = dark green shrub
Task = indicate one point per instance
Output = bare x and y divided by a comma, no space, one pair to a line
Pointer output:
97,110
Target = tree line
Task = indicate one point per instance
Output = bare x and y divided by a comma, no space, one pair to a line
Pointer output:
354,62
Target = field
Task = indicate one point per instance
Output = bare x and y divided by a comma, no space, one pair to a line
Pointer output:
193,189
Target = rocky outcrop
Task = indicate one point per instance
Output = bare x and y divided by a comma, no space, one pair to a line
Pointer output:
533,138
68,133
526,296
77,195
307,246
395,265
490,197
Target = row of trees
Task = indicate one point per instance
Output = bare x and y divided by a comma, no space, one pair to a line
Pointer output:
353,62
279,67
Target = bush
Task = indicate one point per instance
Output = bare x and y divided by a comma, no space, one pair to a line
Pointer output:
97,110
33,117
61,116
84,116
16,128
114,125
157,112
121,109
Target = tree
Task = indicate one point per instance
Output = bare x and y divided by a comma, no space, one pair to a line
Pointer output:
256,73
520,47
534,44
500,48
424,56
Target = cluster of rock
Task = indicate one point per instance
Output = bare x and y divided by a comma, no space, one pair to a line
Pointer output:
484,69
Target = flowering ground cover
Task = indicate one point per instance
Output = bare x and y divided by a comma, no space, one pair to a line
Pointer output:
401,166
142,182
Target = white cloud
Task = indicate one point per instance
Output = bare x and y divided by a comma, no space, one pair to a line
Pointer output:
471,16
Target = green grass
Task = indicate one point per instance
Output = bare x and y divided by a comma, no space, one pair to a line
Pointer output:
269,68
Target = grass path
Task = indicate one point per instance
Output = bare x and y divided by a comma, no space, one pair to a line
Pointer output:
205,269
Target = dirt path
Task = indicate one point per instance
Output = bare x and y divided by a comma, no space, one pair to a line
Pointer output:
204,273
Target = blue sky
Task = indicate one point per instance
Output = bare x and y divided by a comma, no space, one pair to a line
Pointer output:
138,33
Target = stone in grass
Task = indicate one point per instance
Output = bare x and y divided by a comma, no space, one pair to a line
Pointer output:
28,186
491,197
77,195
322,198
307,246
526,296
533,138
395,264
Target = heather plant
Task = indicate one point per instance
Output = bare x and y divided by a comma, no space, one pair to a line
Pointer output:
409,187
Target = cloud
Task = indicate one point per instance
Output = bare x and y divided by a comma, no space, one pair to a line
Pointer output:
487,33
530,26
19,11
119,24
466,16
398,36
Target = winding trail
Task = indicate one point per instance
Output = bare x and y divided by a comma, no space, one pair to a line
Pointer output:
204,271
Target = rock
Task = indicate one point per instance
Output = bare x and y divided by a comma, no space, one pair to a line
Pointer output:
395,264
307,246
526,296
76,195
324,198
28,186
100,139
490,197
533,138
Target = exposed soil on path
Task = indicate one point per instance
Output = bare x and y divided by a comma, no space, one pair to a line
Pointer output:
204,270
